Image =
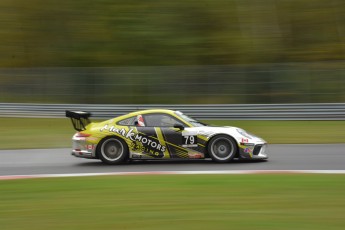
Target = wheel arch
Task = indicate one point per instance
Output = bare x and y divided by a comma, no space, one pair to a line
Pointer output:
207,155
99,144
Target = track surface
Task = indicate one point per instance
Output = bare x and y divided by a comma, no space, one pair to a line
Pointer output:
281,157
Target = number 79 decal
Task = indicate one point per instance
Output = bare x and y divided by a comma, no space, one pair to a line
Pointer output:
189,141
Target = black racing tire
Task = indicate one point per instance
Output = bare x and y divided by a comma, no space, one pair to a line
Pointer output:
222,148
112,150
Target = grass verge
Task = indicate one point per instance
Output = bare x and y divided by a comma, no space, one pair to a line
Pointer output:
175,202
16,133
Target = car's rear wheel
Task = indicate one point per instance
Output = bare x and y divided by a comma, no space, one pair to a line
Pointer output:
222,148
113,150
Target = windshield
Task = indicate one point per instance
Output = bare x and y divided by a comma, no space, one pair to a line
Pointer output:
190,120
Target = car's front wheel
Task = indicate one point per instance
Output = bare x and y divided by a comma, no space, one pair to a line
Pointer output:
113,150
222,148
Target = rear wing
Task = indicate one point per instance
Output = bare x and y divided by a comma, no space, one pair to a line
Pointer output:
79,119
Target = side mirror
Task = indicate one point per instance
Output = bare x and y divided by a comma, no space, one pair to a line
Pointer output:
179,126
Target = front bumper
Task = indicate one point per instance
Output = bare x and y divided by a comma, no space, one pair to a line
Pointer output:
253,151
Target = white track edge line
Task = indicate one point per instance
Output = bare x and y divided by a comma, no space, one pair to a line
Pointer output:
234,172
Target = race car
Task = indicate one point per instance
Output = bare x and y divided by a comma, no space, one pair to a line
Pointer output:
160,134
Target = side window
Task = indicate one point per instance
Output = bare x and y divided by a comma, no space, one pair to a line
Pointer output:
128,122
160,120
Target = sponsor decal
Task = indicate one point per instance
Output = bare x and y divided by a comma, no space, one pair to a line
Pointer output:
247,150
244,140
147,149
140,142
195,155
90,147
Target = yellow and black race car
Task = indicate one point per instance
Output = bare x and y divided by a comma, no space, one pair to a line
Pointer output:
160,134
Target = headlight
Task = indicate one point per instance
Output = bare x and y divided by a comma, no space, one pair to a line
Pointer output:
244,133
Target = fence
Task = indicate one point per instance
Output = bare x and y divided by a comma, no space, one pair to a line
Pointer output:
335,111
322,82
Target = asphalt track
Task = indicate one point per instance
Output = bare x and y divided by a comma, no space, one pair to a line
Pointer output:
281,157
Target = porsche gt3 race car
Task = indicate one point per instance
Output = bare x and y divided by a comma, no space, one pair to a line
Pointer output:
160,134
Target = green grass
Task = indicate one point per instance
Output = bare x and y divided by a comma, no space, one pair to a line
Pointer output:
19,133
16,133
175,202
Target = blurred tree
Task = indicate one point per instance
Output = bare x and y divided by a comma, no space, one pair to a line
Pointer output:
122,33
245,33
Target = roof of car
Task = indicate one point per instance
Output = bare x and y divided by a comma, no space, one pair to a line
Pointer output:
168,111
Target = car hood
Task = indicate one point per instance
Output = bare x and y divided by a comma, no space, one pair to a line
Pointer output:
238,134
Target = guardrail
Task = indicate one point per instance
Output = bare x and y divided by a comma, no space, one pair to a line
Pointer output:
316,111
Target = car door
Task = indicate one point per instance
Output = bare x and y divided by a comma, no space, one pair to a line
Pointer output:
168,136
148,143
